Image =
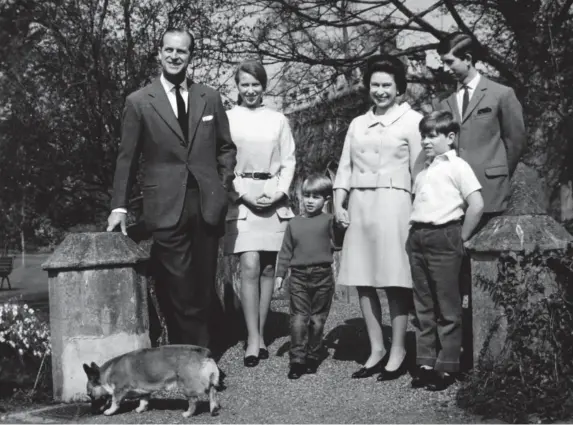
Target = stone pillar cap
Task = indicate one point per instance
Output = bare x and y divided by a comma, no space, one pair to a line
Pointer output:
93,249
525,224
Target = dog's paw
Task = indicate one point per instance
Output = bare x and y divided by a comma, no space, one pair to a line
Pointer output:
109,411
187,414
143,403
215,410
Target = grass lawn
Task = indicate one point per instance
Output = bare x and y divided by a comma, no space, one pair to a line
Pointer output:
29,283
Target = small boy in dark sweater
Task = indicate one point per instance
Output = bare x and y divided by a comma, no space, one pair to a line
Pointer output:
307,248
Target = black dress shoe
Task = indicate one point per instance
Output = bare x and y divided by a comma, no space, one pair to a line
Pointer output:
423,377
366,372
251,361
263,354
311,366
441,382
386,375
296,370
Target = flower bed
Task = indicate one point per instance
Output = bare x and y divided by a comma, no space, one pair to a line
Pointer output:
25,351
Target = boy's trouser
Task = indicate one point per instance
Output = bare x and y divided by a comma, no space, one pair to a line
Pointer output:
436,254
311,290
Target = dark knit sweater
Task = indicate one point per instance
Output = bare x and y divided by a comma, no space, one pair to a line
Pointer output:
308,241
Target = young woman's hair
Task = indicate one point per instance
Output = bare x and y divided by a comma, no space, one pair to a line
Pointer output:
317,183
389,65
460,45
438,122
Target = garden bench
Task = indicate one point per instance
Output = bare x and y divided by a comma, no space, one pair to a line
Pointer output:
6,266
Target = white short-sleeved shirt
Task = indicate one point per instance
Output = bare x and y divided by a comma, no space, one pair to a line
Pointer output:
441,190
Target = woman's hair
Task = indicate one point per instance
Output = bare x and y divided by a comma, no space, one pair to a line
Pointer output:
317,183
389,65
256,69
460,45
438,122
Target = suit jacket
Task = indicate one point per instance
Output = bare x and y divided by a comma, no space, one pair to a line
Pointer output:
491,139
150,128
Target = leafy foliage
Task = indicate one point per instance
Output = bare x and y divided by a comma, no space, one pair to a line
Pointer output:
26,350
531,379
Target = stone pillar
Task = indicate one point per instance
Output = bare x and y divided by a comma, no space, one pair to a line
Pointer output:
523,227
98,305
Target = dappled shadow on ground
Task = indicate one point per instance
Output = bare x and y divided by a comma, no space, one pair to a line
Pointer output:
232,329
349,341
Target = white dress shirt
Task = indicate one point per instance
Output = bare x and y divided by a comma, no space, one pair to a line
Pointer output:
170,91
472,85
441,190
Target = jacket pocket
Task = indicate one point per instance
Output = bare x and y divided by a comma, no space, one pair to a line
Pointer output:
498,170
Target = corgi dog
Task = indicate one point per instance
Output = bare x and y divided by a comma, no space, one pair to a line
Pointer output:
188,368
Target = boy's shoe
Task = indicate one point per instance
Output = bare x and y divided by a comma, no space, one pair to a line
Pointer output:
311,366
423,377
296,370
441,381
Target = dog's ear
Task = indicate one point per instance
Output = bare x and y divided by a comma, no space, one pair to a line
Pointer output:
92,372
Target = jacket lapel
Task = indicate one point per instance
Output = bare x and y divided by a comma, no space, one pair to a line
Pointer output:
453,104
478,95
162,106
196,102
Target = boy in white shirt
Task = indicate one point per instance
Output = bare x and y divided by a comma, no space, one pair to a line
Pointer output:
442,191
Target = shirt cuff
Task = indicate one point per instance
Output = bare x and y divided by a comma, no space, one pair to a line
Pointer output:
119,210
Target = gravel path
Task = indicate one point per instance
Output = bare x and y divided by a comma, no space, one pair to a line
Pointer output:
264,394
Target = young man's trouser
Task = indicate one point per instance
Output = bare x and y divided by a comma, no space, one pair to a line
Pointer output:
311,290
436,254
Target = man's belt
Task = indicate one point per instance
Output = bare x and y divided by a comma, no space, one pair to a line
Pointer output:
256,176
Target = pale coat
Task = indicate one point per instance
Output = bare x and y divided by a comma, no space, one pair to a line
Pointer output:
367,163
377,156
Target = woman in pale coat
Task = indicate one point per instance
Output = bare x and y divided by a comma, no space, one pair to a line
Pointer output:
380,150
257,221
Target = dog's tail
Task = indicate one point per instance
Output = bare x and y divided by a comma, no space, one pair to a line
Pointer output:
210,371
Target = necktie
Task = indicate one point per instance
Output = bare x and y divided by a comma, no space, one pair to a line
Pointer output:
181,113
466,100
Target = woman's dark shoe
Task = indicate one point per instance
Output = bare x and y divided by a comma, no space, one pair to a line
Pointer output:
251,361
263,354
296,370
386,375
366,372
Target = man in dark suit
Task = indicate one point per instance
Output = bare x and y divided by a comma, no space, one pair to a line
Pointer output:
181,129
492,138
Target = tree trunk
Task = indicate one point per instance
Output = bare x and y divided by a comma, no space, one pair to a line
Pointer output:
566,201
22,238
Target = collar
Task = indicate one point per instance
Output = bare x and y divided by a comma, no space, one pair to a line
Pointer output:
446,156
389,117
472,84
168,85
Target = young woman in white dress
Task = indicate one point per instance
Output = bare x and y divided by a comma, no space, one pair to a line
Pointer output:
257,220
381,150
